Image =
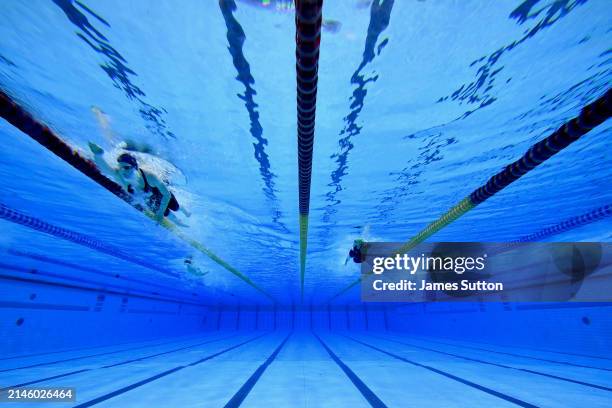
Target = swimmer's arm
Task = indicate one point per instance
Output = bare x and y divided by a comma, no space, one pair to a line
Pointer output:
101,163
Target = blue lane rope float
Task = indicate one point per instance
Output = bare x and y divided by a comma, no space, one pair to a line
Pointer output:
569,224
308,17
590,117
17,217
22,120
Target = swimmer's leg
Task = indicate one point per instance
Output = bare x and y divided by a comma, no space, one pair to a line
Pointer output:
136,146
173,205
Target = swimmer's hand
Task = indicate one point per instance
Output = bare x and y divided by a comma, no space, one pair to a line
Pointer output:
95,149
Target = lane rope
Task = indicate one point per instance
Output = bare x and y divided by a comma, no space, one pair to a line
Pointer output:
34,223
22,120
308,17
590,117
570,223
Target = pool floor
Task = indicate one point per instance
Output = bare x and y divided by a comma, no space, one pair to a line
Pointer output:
315,369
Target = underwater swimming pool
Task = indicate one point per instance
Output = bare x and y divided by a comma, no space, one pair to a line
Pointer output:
401,123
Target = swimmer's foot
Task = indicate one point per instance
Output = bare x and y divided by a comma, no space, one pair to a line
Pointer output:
95,149
136,146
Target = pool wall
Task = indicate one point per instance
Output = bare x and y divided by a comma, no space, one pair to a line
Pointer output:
61,314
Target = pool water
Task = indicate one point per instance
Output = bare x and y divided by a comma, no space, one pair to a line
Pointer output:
419,103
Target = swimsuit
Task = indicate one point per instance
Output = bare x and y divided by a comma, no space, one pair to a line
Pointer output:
156,196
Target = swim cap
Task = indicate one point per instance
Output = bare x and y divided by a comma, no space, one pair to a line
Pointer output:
127,159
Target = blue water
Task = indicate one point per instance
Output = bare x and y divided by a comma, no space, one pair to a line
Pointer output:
419,103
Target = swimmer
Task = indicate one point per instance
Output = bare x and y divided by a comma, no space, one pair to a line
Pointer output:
192,269
357,252
138,182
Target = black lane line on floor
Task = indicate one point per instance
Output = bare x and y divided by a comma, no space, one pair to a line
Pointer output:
162,374
46,379
544,350
522,356
246,388
367,393
81,357
601,387
116,364
451,376
169,352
